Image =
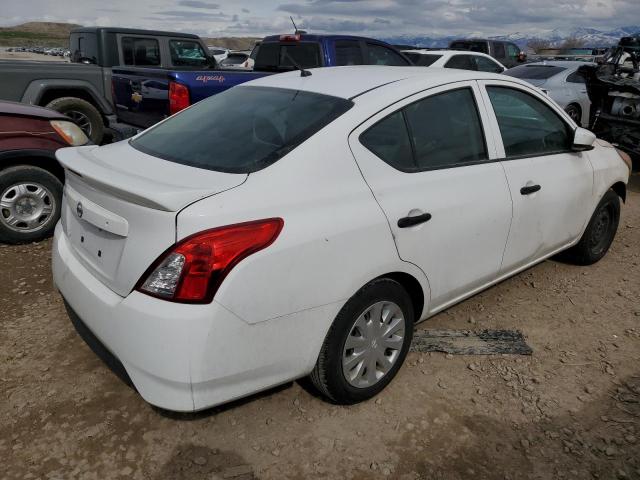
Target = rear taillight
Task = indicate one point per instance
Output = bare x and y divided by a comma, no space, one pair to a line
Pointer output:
178,97
192,270
290,38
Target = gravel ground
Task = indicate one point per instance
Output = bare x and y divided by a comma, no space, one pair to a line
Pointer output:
571,410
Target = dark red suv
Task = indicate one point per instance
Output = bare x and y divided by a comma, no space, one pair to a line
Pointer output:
30,177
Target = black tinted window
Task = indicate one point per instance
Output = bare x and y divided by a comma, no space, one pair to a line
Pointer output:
422,59
348,52
389,140
187,53
474,46
498,50
241,130
527,125
278,56
484,64
534,72
381,55
446,130
463,62
84,47
575,77
140,51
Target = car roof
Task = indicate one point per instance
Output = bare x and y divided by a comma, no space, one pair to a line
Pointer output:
133,31
309,37
352,81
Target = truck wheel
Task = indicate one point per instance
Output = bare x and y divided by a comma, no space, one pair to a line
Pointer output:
83,113
30,203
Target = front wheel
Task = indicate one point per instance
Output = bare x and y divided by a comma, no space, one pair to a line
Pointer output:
367,343
30,202
600,232
575,113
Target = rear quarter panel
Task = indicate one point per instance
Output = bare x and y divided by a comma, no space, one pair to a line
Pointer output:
205,83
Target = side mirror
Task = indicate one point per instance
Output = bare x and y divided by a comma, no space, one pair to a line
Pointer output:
582,140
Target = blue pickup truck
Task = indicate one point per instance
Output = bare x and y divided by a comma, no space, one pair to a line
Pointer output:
144,96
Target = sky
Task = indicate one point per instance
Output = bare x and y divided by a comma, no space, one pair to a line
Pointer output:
381,18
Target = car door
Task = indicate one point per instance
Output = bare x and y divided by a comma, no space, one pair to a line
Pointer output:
550,184
431,170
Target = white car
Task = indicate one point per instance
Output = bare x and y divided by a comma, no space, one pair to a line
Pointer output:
462,60
562,82
301,225
219,53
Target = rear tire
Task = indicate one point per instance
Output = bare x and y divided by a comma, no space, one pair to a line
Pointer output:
30,204
599,234
378,324
83,113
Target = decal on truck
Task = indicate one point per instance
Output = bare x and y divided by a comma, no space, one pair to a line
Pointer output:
210,78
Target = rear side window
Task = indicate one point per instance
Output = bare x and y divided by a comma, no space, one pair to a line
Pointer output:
140,51
527,125
422,59
381,55
241,130
463,62
187,53
575,77
276,56
484,64
498,50
534,72
427,134
84,47
348,52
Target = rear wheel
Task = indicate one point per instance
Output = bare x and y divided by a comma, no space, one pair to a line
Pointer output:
86,116
366,344
30,202
600,232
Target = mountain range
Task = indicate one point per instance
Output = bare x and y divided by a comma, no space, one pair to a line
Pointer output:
589,37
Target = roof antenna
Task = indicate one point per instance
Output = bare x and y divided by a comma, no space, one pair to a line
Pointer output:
296,32
303,72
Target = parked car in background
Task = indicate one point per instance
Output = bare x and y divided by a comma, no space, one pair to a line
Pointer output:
476,61
236,61
30,177
203,253
219,53
507,53
82,89
252,57
562,82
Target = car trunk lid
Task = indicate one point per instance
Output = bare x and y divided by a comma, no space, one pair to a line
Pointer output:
120,206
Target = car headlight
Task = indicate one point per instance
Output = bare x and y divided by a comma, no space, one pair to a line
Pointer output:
70,132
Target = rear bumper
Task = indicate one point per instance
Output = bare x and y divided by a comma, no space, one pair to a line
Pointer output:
188,357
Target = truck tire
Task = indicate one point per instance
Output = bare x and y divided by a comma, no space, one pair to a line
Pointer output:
83,113
30,203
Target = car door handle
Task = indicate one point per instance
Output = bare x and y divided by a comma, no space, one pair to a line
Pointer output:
405,222
529,189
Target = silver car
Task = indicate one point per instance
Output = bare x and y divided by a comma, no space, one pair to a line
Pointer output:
559,80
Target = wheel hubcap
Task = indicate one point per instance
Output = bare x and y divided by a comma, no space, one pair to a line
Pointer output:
26,207
373,344
81,120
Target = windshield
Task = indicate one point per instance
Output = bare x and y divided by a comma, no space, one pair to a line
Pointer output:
242,130
534,72
422,59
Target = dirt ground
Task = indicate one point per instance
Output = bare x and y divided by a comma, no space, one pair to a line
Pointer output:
569,411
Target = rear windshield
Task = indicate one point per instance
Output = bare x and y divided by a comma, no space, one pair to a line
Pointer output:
534,72
422,59
241,130
473,46
276,56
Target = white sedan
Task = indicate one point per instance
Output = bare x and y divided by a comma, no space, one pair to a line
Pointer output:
463,60
301,225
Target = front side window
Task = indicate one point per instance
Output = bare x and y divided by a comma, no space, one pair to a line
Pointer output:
527,125
512,50
187,53
439,131
140,51
241,130
462,62
348,52
381,55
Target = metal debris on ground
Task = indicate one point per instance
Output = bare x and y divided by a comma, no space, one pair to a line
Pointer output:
465,342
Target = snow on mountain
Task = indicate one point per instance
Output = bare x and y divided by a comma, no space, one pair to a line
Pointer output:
591,37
